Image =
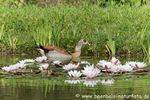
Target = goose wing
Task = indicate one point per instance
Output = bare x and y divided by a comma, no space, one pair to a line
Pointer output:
54,48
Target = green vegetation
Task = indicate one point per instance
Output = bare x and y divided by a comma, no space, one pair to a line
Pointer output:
121,29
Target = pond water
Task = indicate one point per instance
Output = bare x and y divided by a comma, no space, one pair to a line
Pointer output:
38,87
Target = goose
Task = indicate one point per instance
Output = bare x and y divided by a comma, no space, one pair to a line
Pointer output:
54,53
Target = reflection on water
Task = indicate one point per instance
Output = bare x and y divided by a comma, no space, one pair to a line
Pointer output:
108,82
91,82
59,89
73,81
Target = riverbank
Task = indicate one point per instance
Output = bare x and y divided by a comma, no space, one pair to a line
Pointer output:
112,30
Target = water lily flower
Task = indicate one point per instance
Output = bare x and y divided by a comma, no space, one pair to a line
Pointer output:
6,68
10,68
27,61
90,83
104,64
141,64
43,66
126,68
73,81
20,64
70,66
120,68
131,63
75,74
136,64
85,62
115,61
115,68
90,71
57,62
107,82
40,59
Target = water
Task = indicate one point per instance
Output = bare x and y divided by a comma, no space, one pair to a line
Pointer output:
13,87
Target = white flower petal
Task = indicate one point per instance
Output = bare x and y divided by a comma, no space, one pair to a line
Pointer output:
74,74
90,71
70,66
40,59
115,61
43,66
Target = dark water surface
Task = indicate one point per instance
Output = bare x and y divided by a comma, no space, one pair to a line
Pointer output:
61,88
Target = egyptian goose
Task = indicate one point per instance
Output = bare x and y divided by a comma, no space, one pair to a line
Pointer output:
54,53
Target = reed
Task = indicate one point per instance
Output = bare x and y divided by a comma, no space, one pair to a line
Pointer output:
111,48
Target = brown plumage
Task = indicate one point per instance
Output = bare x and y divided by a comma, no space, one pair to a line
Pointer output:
52,48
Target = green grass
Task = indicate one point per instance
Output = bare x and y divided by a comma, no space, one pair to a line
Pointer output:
126,29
